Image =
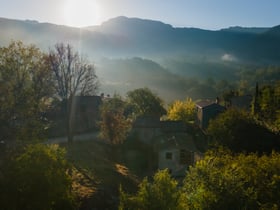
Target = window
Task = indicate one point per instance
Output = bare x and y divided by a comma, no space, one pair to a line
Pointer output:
185,157
168,155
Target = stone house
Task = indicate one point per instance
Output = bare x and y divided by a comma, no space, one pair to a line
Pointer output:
146,128
86,112
207,110
171,142
176,152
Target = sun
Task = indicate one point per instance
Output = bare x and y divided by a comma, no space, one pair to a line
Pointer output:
80,13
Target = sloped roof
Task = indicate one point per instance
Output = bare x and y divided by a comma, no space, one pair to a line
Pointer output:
171,126
206,103
179,140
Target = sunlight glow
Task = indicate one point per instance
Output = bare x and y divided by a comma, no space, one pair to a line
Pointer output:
80,13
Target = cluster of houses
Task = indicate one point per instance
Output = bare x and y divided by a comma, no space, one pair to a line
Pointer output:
175,146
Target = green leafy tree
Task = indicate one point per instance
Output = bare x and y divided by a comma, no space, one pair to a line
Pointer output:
238,131
36,179
145,102
226,181
268,102
114,125
25,88
73,75
182,110
161,193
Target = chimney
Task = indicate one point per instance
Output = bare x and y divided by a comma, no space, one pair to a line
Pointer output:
217,100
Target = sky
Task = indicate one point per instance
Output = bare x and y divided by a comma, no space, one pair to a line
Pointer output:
205,14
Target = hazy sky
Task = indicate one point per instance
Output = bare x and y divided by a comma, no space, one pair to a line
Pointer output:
207,14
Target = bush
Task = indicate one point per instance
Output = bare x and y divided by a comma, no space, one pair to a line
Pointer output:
162,194
226,181
36,179
239,132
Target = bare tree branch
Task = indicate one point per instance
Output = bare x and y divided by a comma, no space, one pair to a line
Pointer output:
73,76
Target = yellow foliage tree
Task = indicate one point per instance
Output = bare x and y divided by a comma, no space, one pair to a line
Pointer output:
182,110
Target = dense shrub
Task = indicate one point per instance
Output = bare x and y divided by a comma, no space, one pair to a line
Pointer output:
36,179
162,193
225,181
238,131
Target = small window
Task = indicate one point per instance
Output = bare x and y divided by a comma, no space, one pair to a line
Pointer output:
185,157
168,155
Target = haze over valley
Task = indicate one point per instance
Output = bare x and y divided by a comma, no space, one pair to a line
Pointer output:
143,104
175,62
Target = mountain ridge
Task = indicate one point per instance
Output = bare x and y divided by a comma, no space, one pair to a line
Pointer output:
151,53
123,36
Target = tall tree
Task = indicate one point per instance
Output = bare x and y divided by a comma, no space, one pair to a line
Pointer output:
73,75
114,125
266,105
25,88
144,102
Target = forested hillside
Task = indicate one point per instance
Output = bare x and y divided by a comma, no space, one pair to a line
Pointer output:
191,60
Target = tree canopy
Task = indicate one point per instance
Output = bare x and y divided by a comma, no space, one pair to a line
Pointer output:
36,179
239,131
267,105
114,125
161,193
182,110
73,74
145,102
226,181
25,87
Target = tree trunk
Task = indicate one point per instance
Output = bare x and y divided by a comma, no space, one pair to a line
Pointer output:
70,120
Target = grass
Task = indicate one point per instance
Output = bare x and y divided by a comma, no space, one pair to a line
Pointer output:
98,173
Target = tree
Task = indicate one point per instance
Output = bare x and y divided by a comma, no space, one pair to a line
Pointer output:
238,131
182,110
25,88
161,193
36,179
145,102
73,75
267,104
226,181
227,96
114,125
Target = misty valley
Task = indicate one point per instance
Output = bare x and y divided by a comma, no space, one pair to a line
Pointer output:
131,53
138,114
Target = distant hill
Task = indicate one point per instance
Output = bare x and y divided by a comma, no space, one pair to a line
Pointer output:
133,52
252,30
275,31
124,36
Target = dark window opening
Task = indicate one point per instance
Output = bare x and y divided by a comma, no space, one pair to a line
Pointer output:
168,155
185,157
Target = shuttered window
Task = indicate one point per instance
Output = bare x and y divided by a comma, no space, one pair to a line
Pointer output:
185,157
